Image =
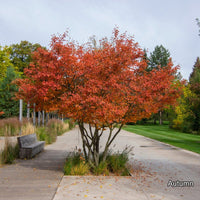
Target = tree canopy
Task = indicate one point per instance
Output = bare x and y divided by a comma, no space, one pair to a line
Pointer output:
102,86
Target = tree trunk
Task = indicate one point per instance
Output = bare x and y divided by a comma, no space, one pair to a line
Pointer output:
161,122
39,113
91,143
20,114
34,120
28,111
43,114
47,118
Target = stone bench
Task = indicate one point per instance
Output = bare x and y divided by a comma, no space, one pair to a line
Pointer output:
29,146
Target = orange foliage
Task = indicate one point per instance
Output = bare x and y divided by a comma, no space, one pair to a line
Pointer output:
99,86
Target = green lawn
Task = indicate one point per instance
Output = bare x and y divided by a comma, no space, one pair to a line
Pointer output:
164,134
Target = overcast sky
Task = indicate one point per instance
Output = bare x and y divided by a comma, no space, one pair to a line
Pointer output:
152,22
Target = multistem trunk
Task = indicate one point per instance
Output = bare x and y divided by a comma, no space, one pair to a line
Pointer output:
91,142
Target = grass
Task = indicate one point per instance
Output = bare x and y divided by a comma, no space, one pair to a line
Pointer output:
164,134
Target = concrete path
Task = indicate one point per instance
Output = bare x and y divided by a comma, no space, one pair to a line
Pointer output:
155,165
155,169
37,178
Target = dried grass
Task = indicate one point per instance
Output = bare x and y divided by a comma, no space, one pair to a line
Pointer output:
27,129
12,126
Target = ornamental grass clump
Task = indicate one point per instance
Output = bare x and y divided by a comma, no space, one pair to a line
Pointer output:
13,127
57,126
76,165
10,153
9,126
115,164
53,129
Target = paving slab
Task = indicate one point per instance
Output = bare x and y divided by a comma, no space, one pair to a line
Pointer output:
98,188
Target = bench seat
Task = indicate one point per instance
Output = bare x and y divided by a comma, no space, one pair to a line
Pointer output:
29,146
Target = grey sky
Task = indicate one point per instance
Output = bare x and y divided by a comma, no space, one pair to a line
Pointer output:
152,22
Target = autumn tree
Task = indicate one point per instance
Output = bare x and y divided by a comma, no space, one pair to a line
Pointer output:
100,87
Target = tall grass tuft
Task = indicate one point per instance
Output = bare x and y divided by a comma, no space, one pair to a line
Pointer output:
101,169
12,126
53,129
10,153
57,126
76,165
116,164
27,129
9,126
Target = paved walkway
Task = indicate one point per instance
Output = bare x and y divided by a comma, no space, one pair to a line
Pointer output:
154,165
37,179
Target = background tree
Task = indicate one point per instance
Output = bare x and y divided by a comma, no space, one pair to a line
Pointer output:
20,54
198,24
103,87
184,114
159,58
188,110
194,81
8,104
5,61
